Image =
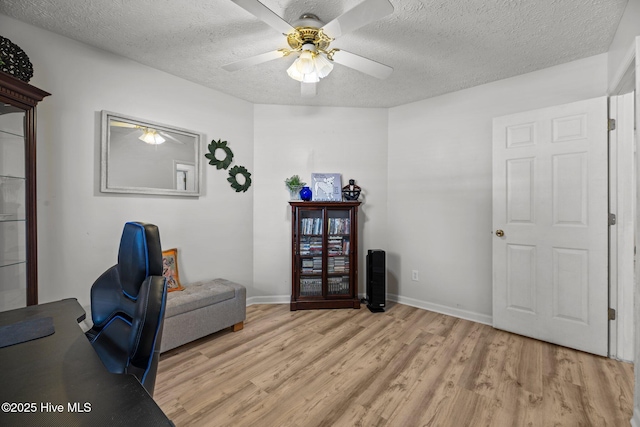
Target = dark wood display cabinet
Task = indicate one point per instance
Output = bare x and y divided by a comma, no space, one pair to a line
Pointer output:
324,255
18,233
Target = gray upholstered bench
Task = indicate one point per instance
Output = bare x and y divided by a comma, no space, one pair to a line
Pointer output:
203,308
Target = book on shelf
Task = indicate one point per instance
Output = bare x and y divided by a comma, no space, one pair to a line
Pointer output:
339,225
338,285
338,245
317,265
310,245
338,264
310,287
311,225
311,265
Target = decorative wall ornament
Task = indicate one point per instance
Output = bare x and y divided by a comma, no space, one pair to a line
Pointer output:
224,164
211,155
234,182
14,61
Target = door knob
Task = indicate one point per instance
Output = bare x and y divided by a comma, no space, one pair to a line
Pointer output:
499,233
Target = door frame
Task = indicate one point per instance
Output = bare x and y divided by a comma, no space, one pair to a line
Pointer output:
635,420
622,188
621,290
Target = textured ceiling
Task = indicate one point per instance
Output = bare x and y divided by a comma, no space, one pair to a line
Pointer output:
435,46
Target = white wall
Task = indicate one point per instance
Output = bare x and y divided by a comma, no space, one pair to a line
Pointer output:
440,201
79,227
301,140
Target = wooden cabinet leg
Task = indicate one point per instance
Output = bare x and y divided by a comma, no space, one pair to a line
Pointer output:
237,327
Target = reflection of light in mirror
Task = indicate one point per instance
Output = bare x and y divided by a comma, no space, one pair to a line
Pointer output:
150,136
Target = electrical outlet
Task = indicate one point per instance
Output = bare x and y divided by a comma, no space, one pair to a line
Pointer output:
414,275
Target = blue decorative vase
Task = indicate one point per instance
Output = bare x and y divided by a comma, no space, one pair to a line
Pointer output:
305,194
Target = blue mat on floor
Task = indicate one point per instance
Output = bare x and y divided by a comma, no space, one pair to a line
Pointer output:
26,330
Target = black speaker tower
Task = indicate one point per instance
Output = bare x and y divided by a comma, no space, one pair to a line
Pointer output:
376,277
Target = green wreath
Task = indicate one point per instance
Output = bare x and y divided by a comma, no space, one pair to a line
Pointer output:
234,182
211,155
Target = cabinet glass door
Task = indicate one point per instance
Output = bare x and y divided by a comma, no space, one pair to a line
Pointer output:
13,264
311,236
338,252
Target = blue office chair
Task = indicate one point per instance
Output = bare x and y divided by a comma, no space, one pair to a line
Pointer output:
116,290
128,304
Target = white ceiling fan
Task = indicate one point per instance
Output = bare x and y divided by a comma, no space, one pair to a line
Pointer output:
149,135
309,38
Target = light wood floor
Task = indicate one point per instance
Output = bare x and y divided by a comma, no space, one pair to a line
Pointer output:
404,367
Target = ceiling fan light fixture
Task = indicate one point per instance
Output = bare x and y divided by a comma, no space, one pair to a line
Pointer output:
310,66
305,64
295,74
323,66
150,136
310,39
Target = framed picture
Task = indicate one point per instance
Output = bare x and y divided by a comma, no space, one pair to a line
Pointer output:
170,269
326,187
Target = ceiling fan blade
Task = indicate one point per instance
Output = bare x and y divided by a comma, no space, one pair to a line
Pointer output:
308,90
127,132
166,135
361,15
364,65
265,14
254,60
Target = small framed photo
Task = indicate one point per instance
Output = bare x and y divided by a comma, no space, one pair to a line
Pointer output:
326,187
170,269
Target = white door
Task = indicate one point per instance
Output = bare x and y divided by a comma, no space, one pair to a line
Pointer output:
550,224
185,176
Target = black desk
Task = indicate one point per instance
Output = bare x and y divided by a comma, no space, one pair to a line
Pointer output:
63,369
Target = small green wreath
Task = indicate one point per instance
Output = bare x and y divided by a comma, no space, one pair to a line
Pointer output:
211,155
234,182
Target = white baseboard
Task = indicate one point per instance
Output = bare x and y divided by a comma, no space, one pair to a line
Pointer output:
274,299
635,420
443,309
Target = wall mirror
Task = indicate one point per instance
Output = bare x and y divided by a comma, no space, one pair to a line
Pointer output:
144,157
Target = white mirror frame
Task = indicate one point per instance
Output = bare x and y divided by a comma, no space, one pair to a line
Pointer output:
106,179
